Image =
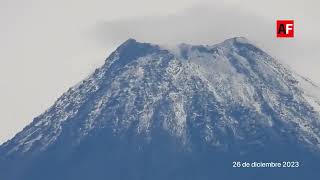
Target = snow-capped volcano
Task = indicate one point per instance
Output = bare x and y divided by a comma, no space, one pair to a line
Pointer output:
148,106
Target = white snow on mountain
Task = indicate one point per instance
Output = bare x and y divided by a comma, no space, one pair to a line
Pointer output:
232,88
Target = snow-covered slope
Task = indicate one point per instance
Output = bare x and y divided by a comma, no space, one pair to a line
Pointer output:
229,97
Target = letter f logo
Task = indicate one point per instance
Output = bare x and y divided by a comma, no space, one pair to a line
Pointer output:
285,28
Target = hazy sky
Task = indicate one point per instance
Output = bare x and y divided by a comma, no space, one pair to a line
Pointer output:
48,46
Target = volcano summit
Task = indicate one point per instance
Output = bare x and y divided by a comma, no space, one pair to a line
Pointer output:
188,113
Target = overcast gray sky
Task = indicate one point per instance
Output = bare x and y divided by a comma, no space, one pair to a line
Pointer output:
48,46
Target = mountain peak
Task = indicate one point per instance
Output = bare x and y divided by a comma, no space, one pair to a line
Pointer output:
239,39
130,40
155,106
129,43
131,49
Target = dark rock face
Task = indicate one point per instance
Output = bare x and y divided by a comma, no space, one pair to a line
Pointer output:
155,113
